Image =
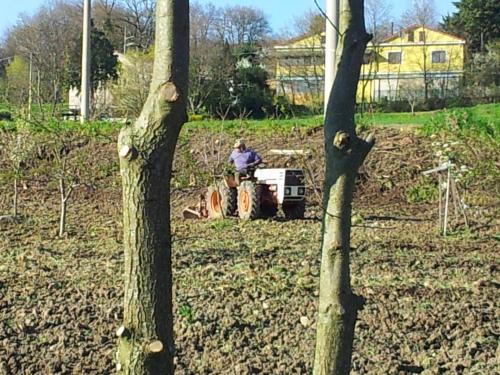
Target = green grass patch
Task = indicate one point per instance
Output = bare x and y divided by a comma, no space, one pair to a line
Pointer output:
255,126
488,113
481,121
53,126
186,312
485,119
222,224
403,118
423,192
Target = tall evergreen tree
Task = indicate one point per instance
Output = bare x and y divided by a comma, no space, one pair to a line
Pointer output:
476,20
103,64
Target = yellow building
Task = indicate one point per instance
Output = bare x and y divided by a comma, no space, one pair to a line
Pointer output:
421,61
300,69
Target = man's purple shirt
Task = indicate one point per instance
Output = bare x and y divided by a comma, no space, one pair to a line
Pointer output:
242,159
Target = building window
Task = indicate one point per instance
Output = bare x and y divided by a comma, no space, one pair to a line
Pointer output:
438,57
394,57
411,36
421,36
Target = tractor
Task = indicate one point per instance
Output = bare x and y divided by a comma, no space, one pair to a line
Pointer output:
259,194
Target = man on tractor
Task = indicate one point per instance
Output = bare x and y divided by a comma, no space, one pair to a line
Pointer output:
260,193
244,159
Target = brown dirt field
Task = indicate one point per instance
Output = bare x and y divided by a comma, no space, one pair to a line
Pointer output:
246,292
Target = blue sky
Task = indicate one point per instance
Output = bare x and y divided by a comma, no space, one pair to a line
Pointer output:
280,12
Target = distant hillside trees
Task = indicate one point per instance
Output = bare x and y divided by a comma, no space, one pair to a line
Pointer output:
46,37
249,90
482,78
52,38
220,80
15,82
226,73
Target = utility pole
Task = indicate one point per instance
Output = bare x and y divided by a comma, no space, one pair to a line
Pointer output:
124,40
331,41
85,89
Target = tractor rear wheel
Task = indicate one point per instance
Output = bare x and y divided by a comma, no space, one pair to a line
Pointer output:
248,201
221,201
294,210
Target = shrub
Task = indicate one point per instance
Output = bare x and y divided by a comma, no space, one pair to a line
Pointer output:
459,101
195,117
392,106
431,104
283,109
462,123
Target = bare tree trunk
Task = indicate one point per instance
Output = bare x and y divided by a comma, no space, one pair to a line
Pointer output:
146,149
64,195
345,153
14,205
63,209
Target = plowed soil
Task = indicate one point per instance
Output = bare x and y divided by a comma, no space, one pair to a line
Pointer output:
246,292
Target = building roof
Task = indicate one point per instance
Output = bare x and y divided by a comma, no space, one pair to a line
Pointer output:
294,41
414,27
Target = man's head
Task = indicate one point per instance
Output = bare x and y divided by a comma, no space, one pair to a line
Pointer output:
240,145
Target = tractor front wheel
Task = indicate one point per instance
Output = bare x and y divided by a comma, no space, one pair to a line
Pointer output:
221,201
248,201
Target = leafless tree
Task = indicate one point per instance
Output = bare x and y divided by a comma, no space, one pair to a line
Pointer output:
308,23
131,89
47,37
421,12
138,17
378,19
242,24
379,24
205,54
17,147
410,90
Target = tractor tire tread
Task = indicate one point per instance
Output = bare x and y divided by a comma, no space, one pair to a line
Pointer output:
254,196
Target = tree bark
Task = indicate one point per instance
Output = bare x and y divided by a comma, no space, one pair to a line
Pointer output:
63,207
146,149
14,203
345,152
62,193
